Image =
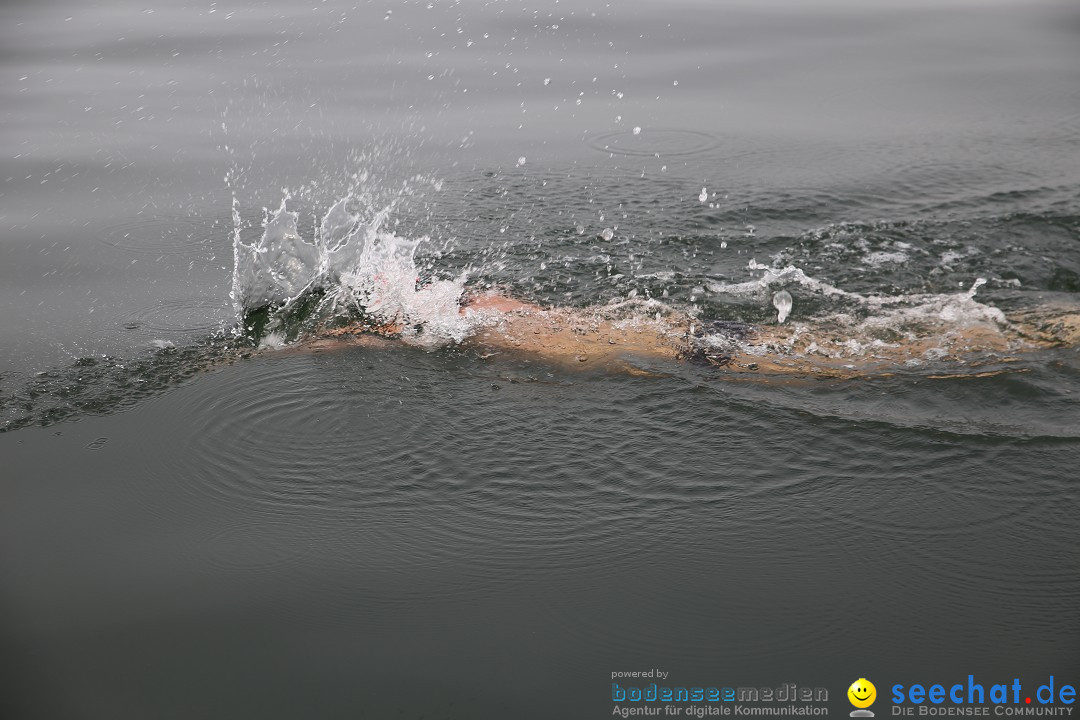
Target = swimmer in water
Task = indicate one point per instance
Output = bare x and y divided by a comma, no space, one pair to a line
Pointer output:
963,333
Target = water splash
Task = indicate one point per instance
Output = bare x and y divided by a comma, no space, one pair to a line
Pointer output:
852,324
350,269
780,276
782,302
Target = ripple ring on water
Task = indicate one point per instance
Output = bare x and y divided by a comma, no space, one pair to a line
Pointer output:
658,142
177,317
168,234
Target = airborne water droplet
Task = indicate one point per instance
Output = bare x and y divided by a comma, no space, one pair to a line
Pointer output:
782,302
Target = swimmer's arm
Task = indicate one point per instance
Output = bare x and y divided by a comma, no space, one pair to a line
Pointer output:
340,341
497,302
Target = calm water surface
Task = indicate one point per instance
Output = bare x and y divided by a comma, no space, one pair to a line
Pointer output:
192,529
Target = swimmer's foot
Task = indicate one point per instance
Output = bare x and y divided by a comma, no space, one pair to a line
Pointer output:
717,342
1049,326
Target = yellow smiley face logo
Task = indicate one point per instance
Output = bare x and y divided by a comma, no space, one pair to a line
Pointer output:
862,693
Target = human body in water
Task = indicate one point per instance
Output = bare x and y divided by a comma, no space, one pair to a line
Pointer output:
965,335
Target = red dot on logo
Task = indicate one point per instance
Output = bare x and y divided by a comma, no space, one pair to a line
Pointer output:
1027,700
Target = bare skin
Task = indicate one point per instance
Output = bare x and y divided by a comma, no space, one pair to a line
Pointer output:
577,338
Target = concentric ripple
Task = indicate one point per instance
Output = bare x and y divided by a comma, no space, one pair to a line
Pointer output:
654,142
350,435
162,233
163,323
181,317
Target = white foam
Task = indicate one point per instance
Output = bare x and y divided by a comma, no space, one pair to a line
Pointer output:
778,276
881,257
906,314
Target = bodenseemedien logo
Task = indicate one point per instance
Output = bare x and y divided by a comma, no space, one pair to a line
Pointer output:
862,695
699,701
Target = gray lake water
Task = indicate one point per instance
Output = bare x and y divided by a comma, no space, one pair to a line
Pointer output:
191,528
